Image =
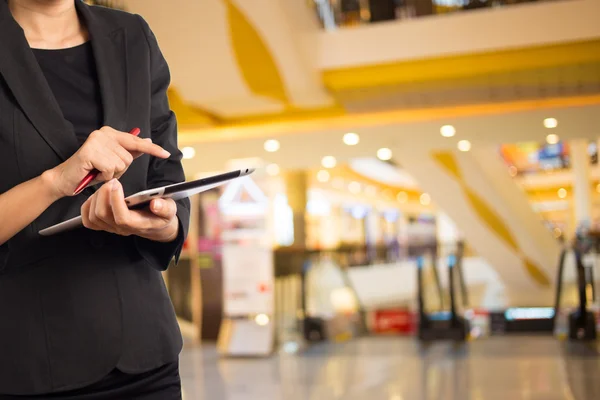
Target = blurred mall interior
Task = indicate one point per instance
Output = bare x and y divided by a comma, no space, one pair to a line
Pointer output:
424,219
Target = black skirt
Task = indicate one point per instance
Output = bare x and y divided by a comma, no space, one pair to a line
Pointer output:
163,383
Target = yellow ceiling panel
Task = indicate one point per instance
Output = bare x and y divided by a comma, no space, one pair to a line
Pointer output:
463,66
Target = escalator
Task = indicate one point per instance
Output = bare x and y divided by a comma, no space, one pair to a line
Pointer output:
581,323
442,324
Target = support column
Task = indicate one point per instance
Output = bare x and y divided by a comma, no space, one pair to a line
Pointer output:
296,186
196,276
582,196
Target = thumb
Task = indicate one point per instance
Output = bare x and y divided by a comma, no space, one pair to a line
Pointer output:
163,208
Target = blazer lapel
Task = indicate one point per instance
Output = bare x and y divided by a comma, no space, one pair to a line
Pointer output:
110,53
28,85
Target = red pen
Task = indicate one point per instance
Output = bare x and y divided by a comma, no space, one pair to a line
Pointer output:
93,174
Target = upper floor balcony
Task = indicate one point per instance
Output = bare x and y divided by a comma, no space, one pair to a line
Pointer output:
386,42
234,60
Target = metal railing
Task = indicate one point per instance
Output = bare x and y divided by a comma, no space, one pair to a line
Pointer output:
339,13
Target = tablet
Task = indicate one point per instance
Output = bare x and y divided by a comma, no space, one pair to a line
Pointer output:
176,191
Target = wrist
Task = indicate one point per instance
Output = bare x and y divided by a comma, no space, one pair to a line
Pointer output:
49,186
168,234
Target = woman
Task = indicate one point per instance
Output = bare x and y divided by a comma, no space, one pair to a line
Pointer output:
85,314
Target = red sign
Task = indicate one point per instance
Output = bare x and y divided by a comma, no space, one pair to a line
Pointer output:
263,288
393,321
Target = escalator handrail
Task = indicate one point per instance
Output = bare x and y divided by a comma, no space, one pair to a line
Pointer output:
461,277
438,282
420,289
559,281
581,285
451,266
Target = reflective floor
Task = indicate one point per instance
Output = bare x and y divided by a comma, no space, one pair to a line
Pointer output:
390,368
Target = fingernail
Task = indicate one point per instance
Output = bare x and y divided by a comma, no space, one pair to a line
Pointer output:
113,185
166,153
158,205
148,139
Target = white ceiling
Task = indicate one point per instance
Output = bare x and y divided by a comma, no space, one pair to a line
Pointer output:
304,145
383,172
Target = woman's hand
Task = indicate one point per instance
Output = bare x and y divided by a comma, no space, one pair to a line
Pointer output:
106,211
107,150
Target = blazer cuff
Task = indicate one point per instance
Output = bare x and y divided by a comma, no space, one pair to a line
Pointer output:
160,254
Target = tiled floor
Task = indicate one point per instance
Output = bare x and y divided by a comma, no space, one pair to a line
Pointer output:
389,368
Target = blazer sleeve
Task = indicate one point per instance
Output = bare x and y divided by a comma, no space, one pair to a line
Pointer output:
163,172
3,256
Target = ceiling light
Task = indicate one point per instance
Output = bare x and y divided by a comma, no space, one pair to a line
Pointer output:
329,162
425,199
323,176
550,123
513,171
351,139
188,153
384,154
354,187
464,145
552,138
371,190
562,193
272,145
273,169
262,319
402,197
447,131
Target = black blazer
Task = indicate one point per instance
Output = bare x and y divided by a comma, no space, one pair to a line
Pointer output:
75,306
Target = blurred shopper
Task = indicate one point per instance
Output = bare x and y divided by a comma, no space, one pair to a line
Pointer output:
382,10
350,12
85,314
421,7
475,4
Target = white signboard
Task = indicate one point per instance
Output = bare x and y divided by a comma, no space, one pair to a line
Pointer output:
248,280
